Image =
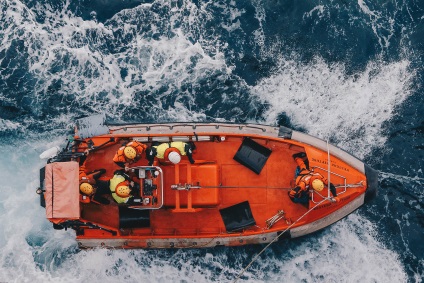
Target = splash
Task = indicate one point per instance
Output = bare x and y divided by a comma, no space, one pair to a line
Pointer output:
349,110
177,60
327,257
125,67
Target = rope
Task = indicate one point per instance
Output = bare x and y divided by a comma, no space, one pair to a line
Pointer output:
274,219
329,169
187,187
275,239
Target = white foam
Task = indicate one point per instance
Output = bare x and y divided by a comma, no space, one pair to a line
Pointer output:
319,10
351,110
259,33
328,103
233,21
150,64
7,125
346,252
383,26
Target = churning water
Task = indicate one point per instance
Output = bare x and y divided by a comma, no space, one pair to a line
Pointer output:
347,71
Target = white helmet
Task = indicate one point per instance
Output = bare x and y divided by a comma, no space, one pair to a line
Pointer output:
174,157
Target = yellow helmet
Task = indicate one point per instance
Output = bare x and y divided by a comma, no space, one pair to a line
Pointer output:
86,189
123,191
317,185
130,152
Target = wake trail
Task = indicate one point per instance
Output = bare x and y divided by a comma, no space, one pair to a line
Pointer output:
385,175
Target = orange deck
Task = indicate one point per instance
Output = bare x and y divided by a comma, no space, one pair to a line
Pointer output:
267,193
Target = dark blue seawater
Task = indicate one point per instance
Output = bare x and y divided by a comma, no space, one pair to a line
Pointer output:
347,71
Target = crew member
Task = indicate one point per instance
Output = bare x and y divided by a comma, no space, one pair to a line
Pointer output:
307,179
91,188
123,189
171,151
129,153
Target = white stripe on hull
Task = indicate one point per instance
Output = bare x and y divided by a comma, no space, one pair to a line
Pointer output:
328,220
159,243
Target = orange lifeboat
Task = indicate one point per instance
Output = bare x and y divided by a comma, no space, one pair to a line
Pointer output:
231,188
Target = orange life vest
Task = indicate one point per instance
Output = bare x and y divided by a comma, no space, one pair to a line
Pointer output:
304,179
87,178
120,156
84,198
84,178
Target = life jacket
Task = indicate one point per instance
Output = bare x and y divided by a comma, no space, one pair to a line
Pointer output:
115,182
83,178
139,147
120,156
161,149
305,178
84,198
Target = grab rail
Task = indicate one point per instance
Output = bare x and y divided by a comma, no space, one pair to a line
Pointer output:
216,126
141,176
313,192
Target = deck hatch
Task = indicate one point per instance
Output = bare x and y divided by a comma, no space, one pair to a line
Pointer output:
237,217
252,155
133,218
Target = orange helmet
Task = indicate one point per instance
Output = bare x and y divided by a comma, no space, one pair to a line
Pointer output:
130,152
317,185
87,189
123,191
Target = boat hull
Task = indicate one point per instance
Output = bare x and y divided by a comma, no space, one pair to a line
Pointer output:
151,242
235,193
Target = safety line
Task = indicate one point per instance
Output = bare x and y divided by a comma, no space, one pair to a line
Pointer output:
329,169
195,187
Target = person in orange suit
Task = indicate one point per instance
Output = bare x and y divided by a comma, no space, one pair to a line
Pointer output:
129,153
306,179
91,188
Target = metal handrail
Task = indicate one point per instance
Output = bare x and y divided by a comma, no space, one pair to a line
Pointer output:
161,187
313,192
148,127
